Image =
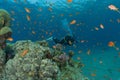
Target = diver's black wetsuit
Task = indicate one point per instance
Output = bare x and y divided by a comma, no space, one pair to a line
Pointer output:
67,40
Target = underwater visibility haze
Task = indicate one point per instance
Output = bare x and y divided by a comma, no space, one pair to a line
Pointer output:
27,28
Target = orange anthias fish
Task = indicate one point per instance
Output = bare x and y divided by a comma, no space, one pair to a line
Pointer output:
114,8
27,10
93,74
89,51
10,39
33,32
73,22
101,26
111,44
28,17
24,53
69,0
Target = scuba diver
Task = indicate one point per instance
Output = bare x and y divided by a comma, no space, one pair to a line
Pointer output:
69,39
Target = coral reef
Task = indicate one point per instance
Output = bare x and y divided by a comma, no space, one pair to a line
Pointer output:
28,63
33,61
48,70
71,73
4,18
2,61
5,30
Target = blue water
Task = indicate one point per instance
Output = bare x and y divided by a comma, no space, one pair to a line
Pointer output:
45,21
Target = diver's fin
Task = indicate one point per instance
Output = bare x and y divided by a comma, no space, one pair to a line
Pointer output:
50,38
66,27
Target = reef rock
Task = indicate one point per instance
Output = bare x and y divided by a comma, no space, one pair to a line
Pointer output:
2,61
32,61
28,64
